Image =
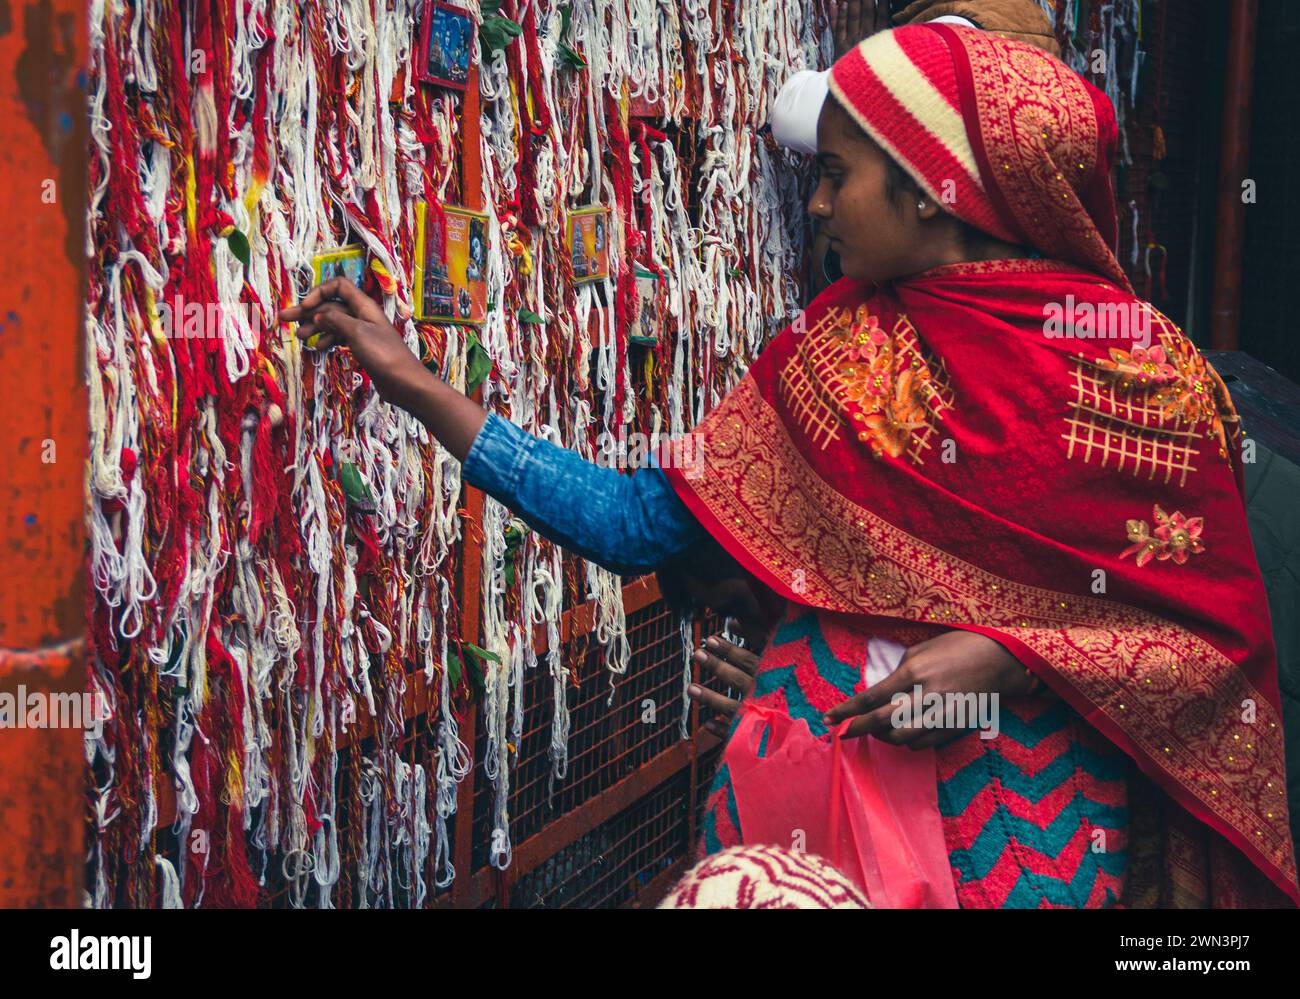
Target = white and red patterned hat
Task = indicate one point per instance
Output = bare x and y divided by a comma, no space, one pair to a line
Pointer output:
764,877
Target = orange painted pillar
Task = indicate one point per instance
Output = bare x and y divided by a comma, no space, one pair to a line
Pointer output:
43,446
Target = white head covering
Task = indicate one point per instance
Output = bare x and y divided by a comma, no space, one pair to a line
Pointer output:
798,106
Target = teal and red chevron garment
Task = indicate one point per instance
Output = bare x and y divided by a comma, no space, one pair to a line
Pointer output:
1036,817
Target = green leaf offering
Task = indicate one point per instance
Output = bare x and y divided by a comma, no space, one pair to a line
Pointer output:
496,32
239,246
478,365
354,487
474,665
569,56
454,669
480,653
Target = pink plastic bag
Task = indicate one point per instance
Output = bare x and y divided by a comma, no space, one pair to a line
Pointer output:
869,808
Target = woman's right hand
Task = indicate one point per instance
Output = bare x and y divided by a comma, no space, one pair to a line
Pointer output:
732,665
338,312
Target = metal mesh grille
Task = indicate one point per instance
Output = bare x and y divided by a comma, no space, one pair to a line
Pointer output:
627,858
607,741
615,862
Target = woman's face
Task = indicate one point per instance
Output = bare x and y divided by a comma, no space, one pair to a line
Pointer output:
876,239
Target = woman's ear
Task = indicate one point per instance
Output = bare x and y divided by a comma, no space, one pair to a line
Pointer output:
926,208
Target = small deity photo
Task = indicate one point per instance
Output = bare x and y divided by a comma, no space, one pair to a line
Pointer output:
645,328
451,265
447,45
588,246
346,261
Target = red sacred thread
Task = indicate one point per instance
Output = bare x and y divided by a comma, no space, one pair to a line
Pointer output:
624,300
218,861
123,200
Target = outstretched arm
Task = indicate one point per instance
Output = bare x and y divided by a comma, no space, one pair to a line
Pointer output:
626,523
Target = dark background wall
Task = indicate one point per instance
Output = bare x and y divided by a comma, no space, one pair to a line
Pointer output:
1269,330
1179,93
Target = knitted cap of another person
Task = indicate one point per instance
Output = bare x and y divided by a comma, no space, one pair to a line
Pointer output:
761,876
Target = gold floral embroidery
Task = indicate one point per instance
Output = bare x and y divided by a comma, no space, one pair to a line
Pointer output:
849,369
1175,537
1148,409
1178,381
890,396
804,381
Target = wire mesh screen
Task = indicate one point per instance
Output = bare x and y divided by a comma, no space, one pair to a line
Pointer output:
610,863
608,740
614,863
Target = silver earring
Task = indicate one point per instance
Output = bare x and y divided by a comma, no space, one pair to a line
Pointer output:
920,204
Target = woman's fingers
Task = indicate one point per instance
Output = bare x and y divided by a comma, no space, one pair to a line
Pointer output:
877,696
712,699
313,300
331,322
732,676
322,341
732,653
337,292
719,725
879,722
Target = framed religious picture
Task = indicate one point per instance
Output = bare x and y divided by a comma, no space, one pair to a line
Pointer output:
451,248
346,261
645,328
446,46
589,244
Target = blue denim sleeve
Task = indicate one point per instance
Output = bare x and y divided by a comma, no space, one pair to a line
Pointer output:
626,523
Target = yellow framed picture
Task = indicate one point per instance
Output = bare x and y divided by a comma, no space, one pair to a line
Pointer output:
346,261
589,243
451,250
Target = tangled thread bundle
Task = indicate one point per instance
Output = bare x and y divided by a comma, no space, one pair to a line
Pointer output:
275,552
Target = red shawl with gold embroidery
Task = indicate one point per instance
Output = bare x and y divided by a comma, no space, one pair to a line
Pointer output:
932,452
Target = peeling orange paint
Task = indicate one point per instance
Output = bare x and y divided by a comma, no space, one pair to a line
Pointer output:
43,441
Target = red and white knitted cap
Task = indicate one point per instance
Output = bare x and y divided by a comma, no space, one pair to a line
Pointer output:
901,88
999,132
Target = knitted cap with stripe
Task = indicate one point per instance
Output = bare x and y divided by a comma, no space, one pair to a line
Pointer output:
949,103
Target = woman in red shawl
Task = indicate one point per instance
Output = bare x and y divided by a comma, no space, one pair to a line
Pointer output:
978,454
1015,446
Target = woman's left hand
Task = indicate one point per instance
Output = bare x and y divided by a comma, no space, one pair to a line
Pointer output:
956,662
735,667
